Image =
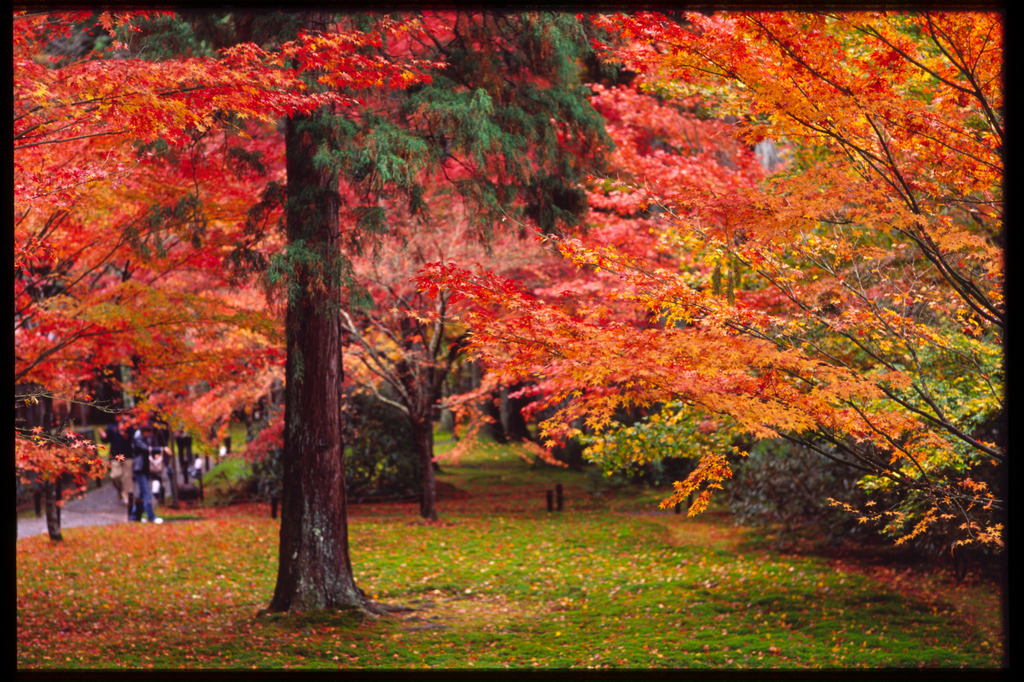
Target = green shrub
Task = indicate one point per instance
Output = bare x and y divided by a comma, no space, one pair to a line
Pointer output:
230,481
381,461
786,487
656,474
380,454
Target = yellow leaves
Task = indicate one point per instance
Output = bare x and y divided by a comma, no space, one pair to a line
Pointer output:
920,527
711,470
959,499
989,535
857,259
974,486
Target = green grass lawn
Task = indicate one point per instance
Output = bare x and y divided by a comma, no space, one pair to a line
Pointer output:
498,582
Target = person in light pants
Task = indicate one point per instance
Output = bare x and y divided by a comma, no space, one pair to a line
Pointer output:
120,457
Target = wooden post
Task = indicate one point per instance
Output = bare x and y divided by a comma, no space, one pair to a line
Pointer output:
550,500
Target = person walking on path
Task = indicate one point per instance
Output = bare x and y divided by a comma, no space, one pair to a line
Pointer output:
144,444
120,457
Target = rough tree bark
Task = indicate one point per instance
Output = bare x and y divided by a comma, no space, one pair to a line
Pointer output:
314,570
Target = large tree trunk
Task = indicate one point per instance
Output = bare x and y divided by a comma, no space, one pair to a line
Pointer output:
314,570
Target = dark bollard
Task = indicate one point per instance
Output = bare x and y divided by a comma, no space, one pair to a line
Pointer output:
37,498
558,496
679,508
550,500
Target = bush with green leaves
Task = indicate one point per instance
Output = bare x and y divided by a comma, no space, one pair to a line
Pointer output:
787,487
656,474
380,457
230,481
380,454
657,449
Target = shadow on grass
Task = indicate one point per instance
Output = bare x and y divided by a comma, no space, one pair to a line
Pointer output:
345,619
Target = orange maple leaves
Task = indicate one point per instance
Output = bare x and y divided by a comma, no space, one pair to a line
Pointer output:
126,205
875,246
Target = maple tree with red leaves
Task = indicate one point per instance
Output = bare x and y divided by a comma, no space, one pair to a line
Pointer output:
109,268
862,311
112,275
172,108
402,346
465,132
850,301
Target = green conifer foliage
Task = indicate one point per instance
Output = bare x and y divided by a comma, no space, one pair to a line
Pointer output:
511,106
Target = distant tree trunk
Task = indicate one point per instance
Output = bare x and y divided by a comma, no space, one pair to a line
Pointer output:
52,513
507,425
314,570
423,432
513,425
447,417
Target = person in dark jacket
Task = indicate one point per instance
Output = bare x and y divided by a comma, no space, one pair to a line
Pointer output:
120,457
144,444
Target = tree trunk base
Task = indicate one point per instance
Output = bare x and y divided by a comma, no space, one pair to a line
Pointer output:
341,617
